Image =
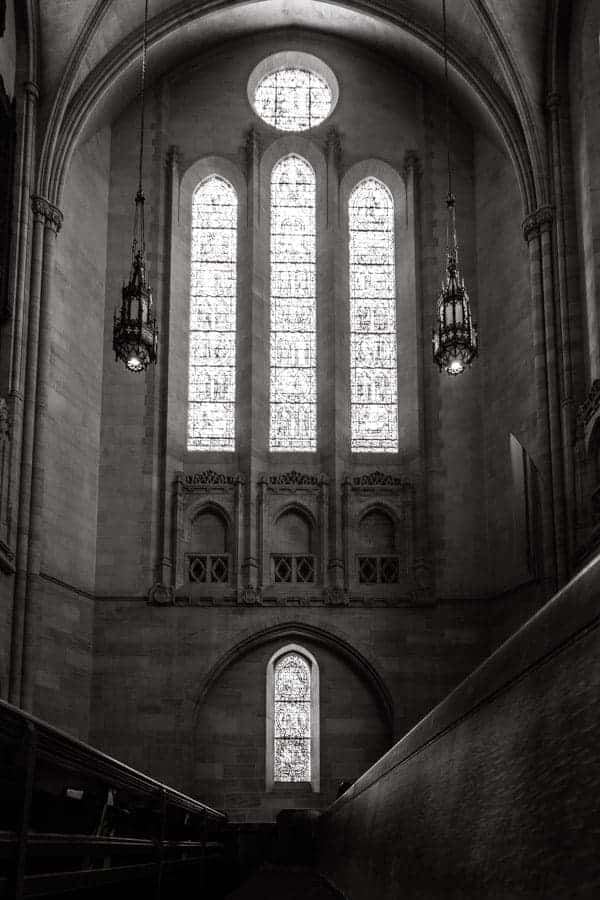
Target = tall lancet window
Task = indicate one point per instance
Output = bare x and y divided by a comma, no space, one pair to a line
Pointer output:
373,357
291,719
293,306
211,416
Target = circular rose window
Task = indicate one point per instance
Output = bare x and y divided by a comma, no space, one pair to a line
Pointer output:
293,91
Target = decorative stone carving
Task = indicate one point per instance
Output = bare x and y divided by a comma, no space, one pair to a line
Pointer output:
293,480
254,597
47,212
376,480
174,157
252,150
161,595
209,479
590,406
336,597
193,491
537,221
412,163
333,147
250,596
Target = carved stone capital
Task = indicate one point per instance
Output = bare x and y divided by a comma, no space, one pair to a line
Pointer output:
545,217
46,212
333,147
161,595
173,157
32,90
252,149
412,163
531,228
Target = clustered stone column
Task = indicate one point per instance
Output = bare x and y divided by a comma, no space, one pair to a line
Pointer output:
537,230
47,221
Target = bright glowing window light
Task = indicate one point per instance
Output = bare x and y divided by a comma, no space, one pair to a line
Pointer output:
291,719
374,378
211,408
293,307
293,99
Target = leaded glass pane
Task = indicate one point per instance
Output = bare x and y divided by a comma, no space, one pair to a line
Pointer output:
293,99
211,418
293,307
373,354
291,719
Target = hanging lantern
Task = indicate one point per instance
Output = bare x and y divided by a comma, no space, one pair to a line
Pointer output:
135,334
455,335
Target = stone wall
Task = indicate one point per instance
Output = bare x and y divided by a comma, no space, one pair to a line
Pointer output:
493,793
64,626
152,660
509,399
179,692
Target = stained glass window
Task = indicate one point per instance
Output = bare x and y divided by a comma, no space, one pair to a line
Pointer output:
211,417
291,719
293,99
293,307
374,378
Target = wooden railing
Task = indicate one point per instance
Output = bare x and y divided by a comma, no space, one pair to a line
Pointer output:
76,823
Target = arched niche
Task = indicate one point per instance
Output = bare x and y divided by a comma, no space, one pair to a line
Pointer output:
231,729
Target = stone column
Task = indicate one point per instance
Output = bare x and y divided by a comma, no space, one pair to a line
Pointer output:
534,227
45,218
165,566
48,220
263,562
21,308
412,289
252,396
337,324
571,357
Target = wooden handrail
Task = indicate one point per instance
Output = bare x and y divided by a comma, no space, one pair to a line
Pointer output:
134,827
51,741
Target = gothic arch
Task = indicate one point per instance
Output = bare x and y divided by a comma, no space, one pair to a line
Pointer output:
295,506
509,112
297,632
207,506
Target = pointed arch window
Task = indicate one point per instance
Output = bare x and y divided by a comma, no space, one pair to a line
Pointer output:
373,340
293,406
213,299
292,717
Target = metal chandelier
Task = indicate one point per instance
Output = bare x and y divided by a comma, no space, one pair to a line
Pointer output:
135,334
455,334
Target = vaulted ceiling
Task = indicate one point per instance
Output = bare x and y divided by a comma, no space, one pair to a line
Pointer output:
88,50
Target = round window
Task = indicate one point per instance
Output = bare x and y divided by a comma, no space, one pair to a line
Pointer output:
293,91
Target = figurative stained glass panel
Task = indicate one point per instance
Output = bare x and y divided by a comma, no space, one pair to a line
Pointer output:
291,719
211,416
293,99
374,378
293,307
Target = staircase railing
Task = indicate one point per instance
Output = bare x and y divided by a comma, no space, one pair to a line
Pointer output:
75,822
